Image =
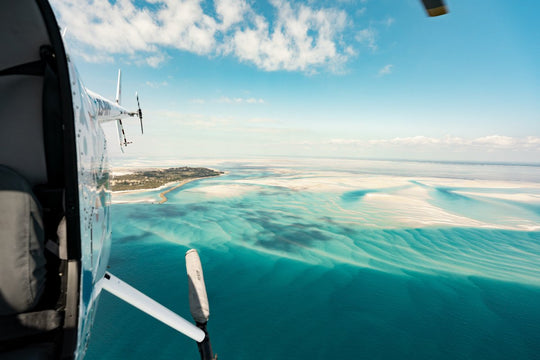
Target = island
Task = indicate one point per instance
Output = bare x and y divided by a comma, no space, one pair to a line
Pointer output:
155,178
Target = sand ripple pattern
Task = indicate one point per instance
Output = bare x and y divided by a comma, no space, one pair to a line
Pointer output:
394,224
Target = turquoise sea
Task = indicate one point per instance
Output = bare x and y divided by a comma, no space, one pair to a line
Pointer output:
334,259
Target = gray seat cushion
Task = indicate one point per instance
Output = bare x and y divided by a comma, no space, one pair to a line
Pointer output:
28,324
22,258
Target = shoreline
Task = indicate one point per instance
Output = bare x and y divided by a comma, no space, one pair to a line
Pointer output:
180,184
168,187
146,180
164,186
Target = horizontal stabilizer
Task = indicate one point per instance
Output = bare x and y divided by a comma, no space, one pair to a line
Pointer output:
139,111
121,134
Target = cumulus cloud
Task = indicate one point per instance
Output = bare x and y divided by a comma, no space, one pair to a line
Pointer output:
195,121
155,84
263,121
491,142
385,70
231,12
239,126
389,21
121,27
228,100
368,37
155,60
254,101
361,11
299,38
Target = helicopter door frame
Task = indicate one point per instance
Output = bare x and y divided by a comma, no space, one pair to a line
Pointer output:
69,182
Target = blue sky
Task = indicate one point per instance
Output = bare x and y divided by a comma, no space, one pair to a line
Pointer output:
375,79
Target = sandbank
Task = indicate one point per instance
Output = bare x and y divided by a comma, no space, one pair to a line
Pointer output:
181,183
168,187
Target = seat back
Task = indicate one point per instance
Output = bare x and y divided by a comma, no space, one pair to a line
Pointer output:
21,127
22,33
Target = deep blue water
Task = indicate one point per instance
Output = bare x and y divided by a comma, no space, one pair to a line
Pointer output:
297,268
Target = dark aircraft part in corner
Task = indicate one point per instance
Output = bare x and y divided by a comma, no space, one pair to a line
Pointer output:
435,7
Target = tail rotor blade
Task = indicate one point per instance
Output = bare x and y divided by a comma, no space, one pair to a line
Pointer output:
139,112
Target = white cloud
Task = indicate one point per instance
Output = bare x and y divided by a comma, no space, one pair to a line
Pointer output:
361,11
156,60
389,21
194,121
343,142
123,28
368,37
254,101
412,141
231,12
228,100
299,38
496,141
94,58
385,70
492,142
263,121
155,85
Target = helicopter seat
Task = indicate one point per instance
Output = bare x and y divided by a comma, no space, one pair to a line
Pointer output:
29,281
22,260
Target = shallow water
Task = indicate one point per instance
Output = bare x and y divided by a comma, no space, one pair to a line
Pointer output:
303,260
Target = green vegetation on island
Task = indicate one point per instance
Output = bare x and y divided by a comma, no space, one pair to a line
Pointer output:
150,179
